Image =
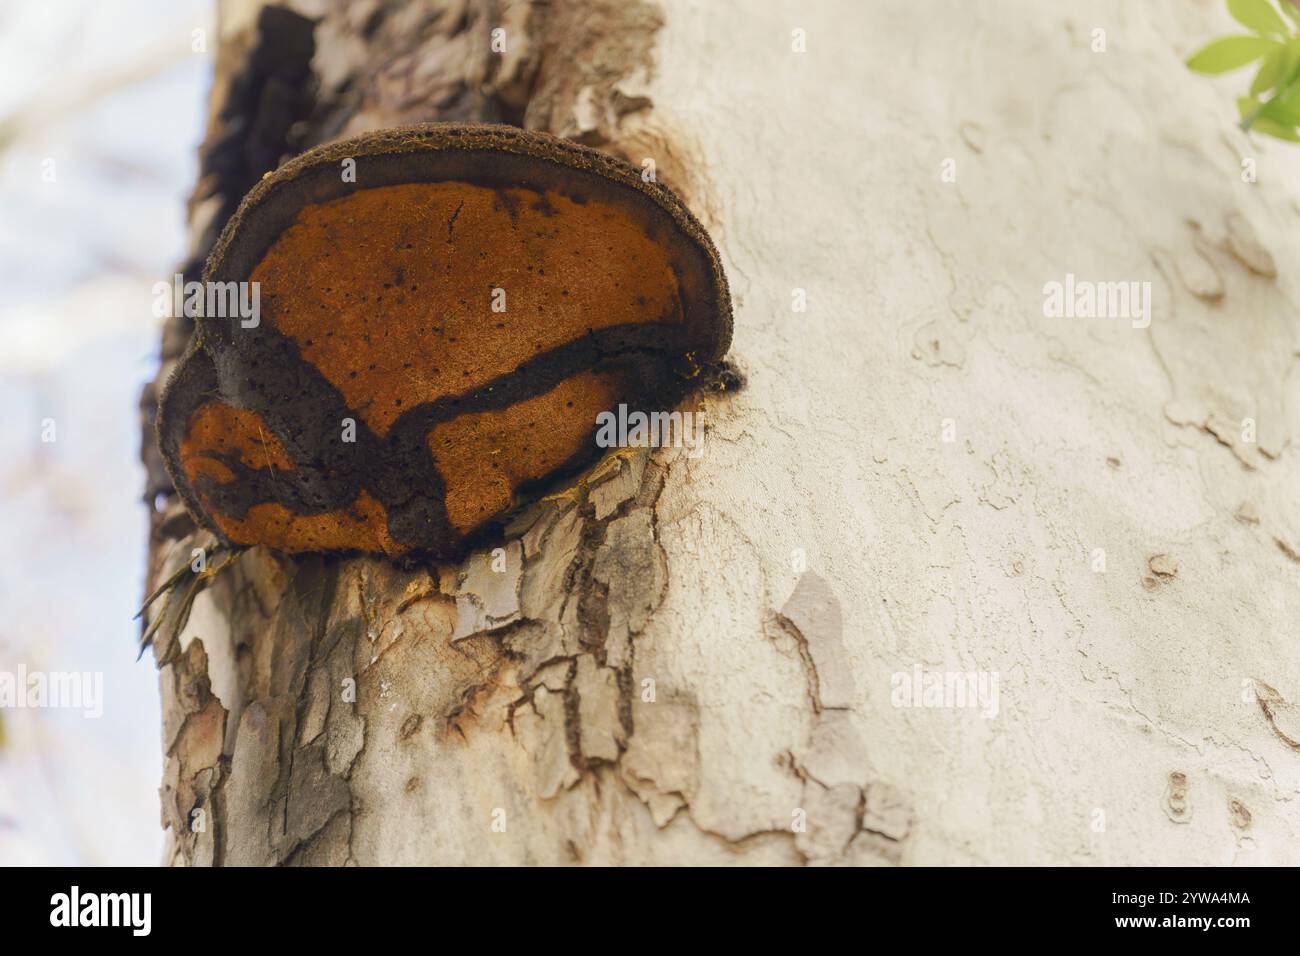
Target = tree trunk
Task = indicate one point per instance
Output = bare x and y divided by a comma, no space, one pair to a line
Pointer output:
954,581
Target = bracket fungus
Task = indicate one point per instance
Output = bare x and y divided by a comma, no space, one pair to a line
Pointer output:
438,332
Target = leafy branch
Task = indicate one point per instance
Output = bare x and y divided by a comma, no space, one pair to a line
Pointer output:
1273,104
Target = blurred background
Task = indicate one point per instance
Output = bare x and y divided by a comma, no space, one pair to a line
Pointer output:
101,110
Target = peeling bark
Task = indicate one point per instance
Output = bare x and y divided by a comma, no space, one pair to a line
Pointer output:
355,712
690,661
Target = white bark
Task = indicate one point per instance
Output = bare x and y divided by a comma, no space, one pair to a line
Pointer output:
829,537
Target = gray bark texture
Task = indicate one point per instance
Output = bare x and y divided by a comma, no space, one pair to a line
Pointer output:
697,660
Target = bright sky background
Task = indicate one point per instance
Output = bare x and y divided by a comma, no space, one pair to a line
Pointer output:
112,92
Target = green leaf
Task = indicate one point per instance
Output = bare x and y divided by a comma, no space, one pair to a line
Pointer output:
1283,110
1262,122
1275,129
1290,8
1275,112
1259,15
1229,53
1292,61
1270,73
1289,97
